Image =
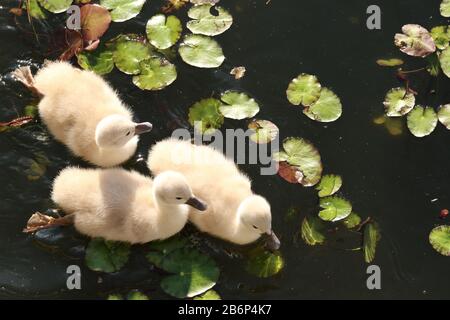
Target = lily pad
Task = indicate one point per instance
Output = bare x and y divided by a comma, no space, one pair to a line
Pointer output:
115,296
201,51
264,264
100,60
327,109
415,41
156,74
370,240
209,295
445,8
34,9
56,6
123,10
106,256
444,58
444,115
206,23
398,103
313,231
163,32
440,36
206,113
329,185
238,105
352,221
422,121
194,273
305,90
95,20
265,131
440,239
137,295
334,209
129,53
390,62
302,155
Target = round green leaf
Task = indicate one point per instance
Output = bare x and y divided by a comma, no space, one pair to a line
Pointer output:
415,41
440,36
205,116
313,231
305,90
163,32
209,295
352,221
123,10
56,6
422,121
263,263
370,240
137,295
444,58
34,9
100,60
265,131
115,296
445,8
334,209
207,24
398,103
201,51
156,74
129,53
106,256
238,105
302,155
194,273
444,115
440,239
327,109
329,185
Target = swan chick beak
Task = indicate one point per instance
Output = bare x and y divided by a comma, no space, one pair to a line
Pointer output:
196,203
142,127
272,242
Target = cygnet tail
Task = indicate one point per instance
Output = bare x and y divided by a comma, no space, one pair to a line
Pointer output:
24,75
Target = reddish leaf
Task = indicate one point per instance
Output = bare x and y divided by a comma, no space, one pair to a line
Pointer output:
95,20
289,173
73,44
17,122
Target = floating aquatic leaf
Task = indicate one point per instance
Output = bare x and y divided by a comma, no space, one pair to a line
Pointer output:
34,10
352,221
238,72
56,6
370,240
95,21
445,8
394,126
265,131
444,58
206,23
422,121
434,65
313,231
123,10
305,90
206,113
305,159
115,296
137,295
444,115
194,273
163,32
291,174
398,103
415,41
129,53
334,209
390,62
238,105
209,295
100,60
198,2
327,109
156,74
440,239
263,263
37,166
106,256
201,51
329,185
440,36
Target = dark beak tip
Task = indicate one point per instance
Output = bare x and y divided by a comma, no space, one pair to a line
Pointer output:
143,127
197,204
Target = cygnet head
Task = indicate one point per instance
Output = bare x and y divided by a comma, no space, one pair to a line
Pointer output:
116,130
256,215
172,188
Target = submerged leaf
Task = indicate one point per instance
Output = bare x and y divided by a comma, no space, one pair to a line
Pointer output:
390,62
422,121
415,41
445,8
440,239
163,32
265,131
352,221
263,263
238,105
440,36
327,109
207,24
370,240
201,51
305,90
334,209
313,231
123,10
444,58
394,126
398,103
444,115
209,295
329,185
34,10
106,256
129,53
100,60
206,113
156,74
56,6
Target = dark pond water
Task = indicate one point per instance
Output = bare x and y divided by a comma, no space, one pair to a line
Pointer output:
390,178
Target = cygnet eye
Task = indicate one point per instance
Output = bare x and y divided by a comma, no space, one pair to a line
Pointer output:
128,133
179,198
255,227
